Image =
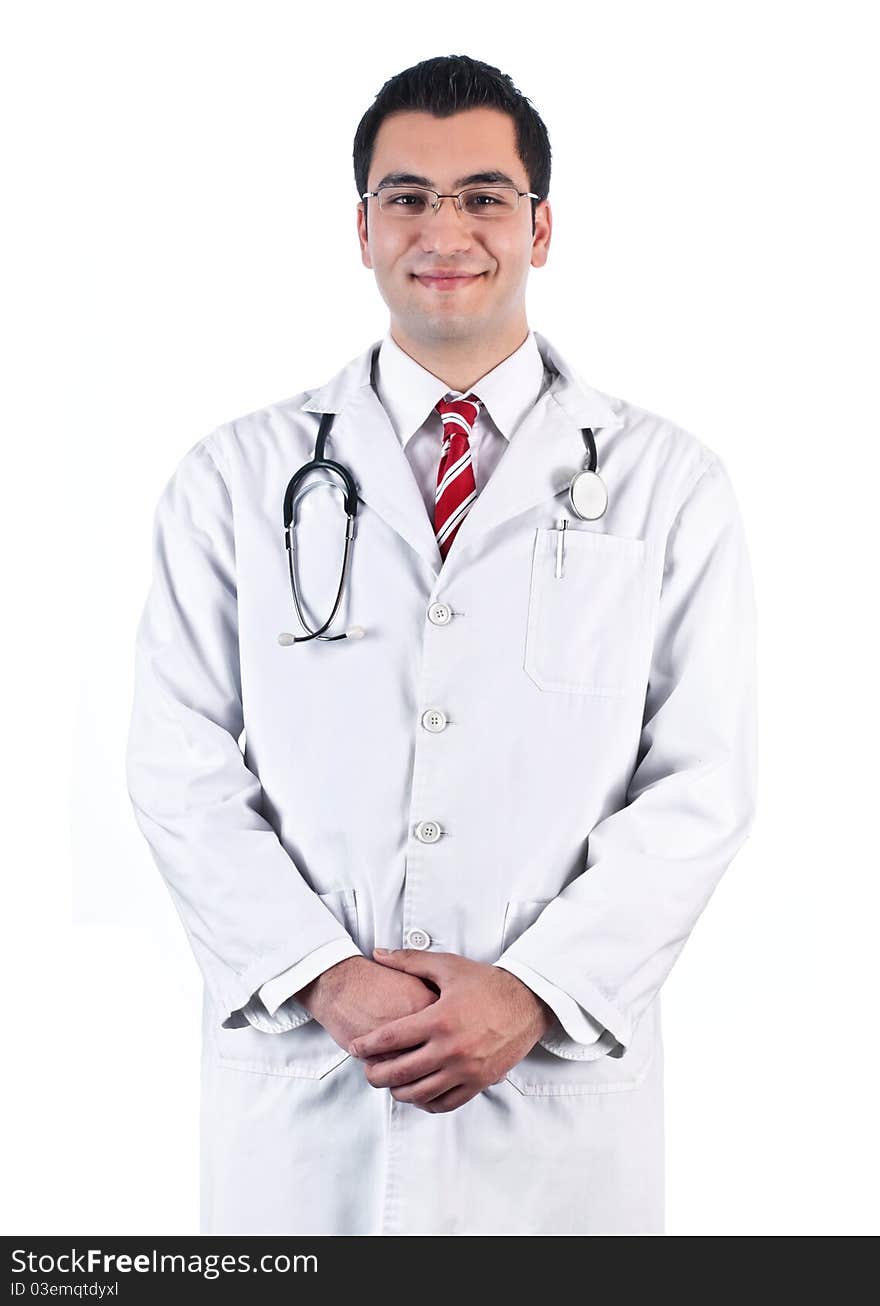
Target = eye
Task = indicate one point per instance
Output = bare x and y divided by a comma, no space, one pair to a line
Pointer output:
403,199
502,199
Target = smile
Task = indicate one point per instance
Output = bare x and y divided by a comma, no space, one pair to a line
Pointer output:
447,283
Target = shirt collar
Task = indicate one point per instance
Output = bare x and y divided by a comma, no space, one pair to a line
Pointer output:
408,391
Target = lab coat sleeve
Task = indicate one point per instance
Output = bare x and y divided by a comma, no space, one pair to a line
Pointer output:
611,937
273,1008
571,1024
248,912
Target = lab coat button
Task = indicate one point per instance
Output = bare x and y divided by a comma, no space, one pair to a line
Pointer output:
439,614
418,939
434,720
427,831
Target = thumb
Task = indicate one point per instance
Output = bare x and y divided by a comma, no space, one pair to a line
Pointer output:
413,960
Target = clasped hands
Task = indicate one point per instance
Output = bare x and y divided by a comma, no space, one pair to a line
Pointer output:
464,1023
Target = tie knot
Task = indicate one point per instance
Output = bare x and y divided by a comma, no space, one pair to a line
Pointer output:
461,413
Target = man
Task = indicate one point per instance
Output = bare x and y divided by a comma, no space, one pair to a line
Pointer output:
525,779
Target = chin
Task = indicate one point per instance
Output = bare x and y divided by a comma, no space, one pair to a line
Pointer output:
446,326
442,319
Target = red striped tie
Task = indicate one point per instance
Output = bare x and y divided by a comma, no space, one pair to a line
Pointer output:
456,486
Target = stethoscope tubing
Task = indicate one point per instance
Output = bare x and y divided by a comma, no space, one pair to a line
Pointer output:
589,475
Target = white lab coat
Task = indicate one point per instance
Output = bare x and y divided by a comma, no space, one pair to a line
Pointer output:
594,776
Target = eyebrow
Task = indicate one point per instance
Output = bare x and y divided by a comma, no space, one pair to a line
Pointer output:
491,177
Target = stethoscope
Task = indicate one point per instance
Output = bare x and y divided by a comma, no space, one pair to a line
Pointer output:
587,496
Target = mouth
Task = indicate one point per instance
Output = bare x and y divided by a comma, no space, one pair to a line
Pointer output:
447,283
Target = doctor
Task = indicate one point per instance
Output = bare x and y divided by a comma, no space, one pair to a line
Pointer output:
525,779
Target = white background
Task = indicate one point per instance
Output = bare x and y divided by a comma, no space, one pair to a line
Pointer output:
179,240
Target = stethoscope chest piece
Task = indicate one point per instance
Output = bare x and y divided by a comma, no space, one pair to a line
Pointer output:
586,492
588,495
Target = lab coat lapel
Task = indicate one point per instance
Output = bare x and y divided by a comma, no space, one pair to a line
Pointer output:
545,451
363,439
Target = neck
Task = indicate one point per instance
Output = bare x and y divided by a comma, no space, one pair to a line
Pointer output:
460,363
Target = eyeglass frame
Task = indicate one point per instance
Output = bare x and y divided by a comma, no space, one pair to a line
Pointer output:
454,195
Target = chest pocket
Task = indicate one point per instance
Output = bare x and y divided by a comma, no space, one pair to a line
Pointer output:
587,629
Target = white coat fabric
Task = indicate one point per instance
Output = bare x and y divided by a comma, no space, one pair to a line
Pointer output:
409,394
549,773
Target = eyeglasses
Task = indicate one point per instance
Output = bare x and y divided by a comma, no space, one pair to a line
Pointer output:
409,202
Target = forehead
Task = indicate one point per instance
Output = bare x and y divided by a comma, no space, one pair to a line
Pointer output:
446,151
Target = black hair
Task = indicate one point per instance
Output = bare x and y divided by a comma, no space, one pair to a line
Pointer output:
447,85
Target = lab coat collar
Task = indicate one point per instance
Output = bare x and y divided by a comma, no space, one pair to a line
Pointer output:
538,464
409,391
584,404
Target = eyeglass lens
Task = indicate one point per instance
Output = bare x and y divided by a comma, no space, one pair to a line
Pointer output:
477,202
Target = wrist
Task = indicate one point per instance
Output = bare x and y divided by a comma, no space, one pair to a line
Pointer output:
546,1015
323,988
543,1014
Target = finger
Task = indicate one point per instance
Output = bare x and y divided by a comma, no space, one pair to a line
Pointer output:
450,1100
421,1092
405,1032
414,961
394,1071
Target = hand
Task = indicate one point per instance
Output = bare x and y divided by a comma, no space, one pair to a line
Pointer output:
356,995
484,1021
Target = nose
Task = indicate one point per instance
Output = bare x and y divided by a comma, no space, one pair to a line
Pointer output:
445,230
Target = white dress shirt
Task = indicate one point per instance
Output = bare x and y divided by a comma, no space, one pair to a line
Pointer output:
409,392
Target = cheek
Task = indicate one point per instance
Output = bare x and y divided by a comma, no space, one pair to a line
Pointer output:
397,258
511,254
385,250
